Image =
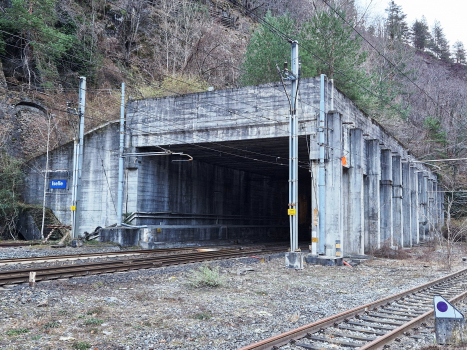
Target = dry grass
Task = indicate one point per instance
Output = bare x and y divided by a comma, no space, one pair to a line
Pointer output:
387,252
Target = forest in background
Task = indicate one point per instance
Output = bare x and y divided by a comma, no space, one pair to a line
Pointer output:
405,75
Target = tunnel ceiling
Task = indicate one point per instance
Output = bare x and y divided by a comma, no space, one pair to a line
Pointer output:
268,157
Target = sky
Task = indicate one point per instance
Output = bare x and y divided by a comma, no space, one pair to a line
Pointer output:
451,14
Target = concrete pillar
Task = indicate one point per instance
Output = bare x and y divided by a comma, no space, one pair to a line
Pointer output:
354,238
430,208
441,207
334,185
422,204
386,197
435,207
397,236
372,196
414,206
406,205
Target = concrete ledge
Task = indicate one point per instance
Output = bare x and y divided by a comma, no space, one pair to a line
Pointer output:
294,260
323,260
125,236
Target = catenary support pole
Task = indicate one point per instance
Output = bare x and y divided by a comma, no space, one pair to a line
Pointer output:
293,259
322,171
120,160
75,208
294,145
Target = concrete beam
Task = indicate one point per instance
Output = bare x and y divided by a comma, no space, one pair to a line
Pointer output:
398,238
372,196
386,197
406,205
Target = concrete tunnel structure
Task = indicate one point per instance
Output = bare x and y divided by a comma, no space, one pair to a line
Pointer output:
236,187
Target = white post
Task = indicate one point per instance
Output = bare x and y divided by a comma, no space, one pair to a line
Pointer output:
293,152
46,175
78,161
120,160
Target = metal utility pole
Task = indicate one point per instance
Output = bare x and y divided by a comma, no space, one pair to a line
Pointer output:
120,160
78,160
322,172
293,259
293,152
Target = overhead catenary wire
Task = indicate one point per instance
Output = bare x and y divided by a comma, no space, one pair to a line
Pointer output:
379,53
282,36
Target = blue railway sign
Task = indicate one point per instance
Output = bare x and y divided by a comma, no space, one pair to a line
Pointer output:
57,183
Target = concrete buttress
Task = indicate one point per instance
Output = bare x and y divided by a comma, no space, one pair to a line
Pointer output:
354,240
372,196
398,238
414,206
406,205
334,185
386,197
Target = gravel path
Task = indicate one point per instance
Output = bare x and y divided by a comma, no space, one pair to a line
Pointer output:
160,309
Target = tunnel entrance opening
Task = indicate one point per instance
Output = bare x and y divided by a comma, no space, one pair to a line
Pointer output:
231,191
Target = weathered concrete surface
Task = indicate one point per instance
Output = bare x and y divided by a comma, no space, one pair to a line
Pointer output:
372,196
236,186
334,213
406,205
386,197
125,236
450,331
99,182
354,240
397,235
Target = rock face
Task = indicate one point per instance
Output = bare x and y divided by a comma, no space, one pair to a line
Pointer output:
23,127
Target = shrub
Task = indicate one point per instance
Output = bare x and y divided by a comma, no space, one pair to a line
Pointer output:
81,345
93,322
206,276
17,331
202,316
52,324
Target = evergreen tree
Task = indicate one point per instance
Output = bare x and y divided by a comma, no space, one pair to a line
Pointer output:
396,26
32,25
267,48
439,44
326,45
459,52
421,36
340,53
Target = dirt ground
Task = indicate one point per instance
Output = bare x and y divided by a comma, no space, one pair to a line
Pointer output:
164,308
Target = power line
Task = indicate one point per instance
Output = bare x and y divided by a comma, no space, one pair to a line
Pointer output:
381,54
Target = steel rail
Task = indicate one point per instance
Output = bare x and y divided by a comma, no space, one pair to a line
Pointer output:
292,336
380,342
39,259
71,270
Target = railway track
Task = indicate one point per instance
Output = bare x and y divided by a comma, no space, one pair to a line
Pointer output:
70,257
16,244
84,269
374,325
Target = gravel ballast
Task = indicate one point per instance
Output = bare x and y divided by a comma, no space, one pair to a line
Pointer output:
161,309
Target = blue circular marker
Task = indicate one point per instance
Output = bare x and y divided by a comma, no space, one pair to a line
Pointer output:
442,306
